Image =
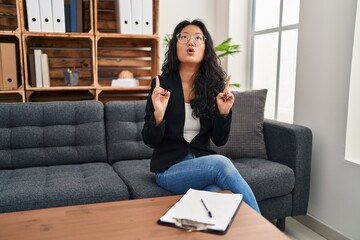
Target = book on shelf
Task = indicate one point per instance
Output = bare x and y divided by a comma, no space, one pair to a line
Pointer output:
38,70
32,75
45,70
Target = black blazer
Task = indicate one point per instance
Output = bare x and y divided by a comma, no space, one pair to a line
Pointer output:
167,139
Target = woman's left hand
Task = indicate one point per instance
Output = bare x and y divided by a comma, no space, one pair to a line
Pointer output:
225,99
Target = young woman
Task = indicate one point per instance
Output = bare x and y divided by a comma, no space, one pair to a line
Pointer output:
187,106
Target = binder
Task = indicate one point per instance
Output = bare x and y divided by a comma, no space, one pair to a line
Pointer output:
33,15
46,18
136,14
192,214
58,13
147,24
45,70
32,74
9,66
79,16
123,16
38,71
73,18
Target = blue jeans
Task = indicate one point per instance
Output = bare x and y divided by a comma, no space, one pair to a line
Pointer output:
210,173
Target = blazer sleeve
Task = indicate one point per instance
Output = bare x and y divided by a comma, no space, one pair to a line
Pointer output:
221,129
152,135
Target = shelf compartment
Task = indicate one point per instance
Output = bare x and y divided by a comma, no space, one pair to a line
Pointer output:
9,17
61,95
137,55
105,16
85,22
15,39
12,96
63,53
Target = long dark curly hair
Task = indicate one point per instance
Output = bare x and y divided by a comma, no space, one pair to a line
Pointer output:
210,78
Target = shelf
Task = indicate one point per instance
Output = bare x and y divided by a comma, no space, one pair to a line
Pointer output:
97,51
116,54
63,53
9,16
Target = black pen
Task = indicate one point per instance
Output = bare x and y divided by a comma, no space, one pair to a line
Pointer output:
209,213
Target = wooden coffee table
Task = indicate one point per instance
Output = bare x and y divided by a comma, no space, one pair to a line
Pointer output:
133,219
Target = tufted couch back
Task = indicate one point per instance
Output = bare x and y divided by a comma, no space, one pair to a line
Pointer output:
51,133
124,123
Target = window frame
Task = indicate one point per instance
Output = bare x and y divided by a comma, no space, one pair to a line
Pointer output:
280,29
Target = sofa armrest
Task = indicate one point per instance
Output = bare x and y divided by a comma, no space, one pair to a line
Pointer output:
291,145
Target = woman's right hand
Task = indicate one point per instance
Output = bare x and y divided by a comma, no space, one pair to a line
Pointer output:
160,99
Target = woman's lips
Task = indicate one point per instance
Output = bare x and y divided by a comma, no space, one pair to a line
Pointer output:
190,51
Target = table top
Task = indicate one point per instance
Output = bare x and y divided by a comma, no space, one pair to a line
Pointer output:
131,219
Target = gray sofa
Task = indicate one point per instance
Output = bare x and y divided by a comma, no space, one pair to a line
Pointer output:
67,153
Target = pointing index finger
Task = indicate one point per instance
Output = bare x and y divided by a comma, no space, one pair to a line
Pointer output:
227,82
157,83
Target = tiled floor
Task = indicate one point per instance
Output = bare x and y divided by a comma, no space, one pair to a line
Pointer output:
297,231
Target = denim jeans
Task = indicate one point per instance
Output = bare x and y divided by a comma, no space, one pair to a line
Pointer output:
210,173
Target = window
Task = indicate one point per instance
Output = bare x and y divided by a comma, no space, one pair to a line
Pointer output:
274,34
352,151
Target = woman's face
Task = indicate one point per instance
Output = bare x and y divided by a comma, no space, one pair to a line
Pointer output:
190,46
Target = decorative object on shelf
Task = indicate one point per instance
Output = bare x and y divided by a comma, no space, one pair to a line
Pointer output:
125,79
125,74
71,77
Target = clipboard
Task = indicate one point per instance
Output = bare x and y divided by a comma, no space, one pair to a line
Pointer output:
190,214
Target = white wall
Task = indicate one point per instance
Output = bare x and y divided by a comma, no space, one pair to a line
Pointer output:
325,46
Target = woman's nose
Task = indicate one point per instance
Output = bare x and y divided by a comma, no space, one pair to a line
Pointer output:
191,42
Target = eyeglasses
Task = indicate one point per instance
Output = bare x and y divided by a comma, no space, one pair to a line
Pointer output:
185,38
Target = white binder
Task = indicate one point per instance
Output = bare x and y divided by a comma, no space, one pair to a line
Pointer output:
33,15
46,16
45,70
38,71
136,14
123,16
58,13
147,23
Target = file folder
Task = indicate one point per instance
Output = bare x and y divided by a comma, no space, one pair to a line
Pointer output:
38,71
45,70
58,13
46,18
147,23
33,15
9,66
123,16
136,14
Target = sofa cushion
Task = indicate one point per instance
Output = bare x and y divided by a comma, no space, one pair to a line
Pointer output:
246,138
267,179
124,122
42,187
52,133
140,181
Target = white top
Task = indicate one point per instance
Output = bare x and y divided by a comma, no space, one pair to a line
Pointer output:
192,125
